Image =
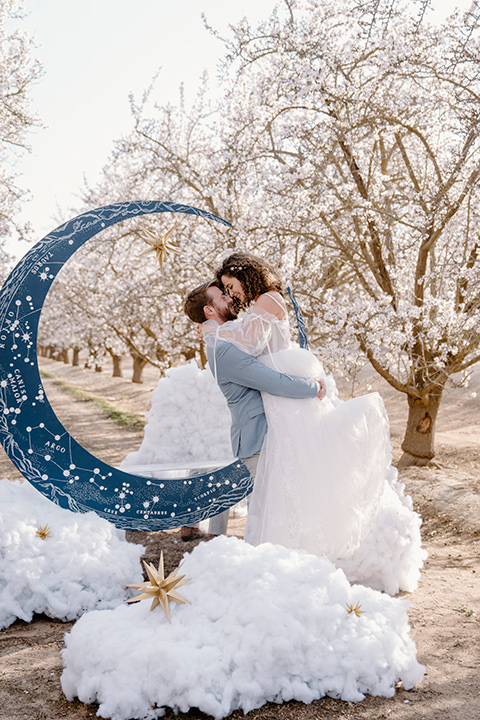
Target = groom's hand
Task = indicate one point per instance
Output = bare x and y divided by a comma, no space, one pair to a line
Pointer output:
322,389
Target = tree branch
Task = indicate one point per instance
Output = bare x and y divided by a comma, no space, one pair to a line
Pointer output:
383,372
411,172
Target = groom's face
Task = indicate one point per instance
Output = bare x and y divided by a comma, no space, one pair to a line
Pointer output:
221,305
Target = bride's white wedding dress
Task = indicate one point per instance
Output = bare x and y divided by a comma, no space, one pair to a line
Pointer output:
323,464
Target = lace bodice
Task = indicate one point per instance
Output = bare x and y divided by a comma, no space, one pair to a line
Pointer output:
256,331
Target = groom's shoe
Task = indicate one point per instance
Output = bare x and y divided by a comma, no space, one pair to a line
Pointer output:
194,533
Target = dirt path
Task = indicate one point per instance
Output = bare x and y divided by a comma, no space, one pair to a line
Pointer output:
445,612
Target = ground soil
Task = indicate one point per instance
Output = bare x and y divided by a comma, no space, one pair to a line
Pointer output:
445,611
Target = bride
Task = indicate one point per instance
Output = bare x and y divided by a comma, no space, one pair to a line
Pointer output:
322,466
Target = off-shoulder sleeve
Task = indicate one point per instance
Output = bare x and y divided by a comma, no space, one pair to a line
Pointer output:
249,333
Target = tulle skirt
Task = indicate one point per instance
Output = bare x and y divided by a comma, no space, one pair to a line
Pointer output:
322,467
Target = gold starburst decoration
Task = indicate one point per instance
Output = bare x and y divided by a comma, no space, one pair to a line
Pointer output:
355,608
161,246
159,589
43,532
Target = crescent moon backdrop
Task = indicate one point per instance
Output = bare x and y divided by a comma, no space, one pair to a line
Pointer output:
33,437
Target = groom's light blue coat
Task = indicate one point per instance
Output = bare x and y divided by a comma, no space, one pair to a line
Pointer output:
241,378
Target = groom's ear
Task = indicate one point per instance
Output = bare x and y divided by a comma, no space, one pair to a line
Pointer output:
208,311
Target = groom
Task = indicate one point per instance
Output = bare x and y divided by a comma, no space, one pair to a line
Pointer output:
241,378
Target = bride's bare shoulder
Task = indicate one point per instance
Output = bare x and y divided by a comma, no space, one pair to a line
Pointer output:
273,303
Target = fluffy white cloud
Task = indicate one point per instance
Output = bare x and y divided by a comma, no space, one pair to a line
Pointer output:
83,564
265,624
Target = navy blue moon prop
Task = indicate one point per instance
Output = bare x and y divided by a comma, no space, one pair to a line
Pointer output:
35,440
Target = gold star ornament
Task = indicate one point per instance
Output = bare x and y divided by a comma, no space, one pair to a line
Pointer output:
43,532
159,589
355,609
161,246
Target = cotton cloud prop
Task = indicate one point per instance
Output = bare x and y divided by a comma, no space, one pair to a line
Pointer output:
84,562
265,624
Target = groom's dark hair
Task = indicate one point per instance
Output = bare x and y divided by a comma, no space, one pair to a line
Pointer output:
196,301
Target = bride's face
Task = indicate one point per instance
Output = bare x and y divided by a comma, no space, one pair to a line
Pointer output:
233,286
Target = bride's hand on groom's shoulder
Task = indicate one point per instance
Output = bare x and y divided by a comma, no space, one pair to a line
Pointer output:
322,389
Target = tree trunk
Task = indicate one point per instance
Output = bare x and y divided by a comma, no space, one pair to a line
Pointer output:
117,365
76,357
62,356
138,365
419,442
203,356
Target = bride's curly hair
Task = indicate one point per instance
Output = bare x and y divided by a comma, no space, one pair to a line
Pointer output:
255,274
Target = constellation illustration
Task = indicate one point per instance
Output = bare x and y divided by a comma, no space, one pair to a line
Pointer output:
35,440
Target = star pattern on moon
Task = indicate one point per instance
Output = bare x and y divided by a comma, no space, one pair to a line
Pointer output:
161,246
162,591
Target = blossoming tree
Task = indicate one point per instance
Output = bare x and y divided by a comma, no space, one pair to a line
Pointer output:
18,72
359,125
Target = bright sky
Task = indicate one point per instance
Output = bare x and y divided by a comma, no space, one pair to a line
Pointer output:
95,53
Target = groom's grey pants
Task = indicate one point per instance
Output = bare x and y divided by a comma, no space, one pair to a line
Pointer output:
218,523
